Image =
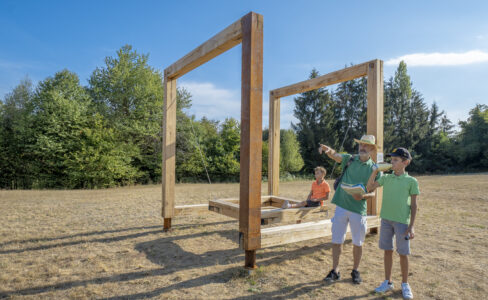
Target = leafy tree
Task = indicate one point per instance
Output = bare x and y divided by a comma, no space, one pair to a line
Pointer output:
72,148
129,93
16,164
290,159
473,146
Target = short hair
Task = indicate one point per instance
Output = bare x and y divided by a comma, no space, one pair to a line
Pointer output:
321,169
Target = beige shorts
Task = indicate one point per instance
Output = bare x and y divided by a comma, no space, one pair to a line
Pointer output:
357,222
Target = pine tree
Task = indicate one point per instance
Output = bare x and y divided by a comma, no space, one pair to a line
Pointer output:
316,124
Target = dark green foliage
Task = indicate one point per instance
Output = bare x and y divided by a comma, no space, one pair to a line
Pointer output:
60,134
316,124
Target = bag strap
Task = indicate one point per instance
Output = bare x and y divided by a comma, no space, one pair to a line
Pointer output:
349,162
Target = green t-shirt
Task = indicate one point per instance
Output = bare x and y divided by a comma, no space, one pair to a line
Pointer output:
396,196
357,172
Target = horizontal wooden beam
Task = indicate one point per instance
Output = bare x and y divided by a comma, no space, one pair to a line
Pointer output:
224,208
271,211
218,44
294,233
278,215
345,74
181,209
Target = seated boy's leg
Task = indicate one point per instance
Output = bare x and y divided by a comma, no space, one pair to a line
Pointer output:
310,203
301,204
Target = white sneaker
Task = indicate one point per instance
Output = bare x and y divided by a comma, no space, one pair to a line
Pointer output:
286,204
385,286
406,291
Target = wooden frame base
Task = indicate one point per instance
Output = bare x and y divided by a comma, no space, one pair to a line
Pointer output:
271,211
294,233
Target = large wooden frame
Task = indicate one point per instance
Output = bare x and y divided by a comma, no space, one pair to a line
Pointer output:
374,72
249,31
317,229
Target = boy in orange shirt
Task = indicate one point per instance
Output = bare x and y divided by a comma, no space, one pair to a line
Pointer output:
320,191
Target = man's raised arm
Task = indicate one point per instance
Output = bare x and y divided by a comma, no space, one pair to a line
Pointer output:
331,153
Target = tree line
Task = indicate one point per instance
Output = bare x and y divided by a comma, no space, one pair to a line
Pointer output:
336,117
61,134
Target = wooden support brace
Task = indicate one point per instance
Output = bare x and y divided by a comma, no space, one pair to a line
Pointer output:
169,149
375,124
345,74
225,208
218,44
182,209
274,146
286,234
251,134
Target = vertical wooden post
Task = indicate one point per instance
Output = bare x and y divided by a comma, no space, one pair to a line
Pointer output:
274,146
375,121
169,150
251,136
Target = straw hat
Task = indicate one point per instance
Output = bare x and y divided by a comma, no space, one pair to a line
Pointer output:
367,140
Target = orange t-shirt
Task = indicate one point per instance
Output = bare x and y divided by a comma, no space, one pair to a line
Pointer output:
320,190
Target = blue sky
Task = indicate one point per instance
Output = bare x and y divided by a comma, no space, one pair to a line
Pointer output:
445,44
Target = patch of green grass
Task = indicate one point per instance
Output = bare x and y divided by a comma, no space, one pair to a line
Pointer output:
476,226
254,290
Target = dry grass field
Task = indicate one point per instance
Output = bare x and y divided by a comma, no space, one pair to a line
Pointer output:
99,244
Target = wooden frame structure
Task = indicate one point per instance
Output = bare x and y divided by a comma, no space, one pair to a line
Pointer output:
373,70
249,31
271,205
271,211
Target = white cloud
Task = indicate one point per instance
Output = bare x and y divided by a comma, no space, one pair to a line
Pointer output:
218,103
482,37
441,59
213,102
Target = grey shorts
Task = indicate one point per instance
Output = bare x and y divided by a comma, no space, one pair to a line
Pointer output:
388,230
311,203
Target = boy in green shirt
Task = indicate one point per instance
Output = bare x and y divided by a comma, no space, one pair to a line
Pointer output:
398,213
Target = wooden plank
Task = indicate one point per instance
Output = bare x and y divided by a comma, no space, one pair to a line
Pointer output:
269,214
274,146
277,215
182,209
277,201
169,148
286,234
375,121
251,133
218,44
224,208
345,74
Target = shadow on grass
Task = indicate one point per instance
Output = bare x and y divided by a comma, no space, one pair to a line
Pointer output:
175,259
388,295
97,240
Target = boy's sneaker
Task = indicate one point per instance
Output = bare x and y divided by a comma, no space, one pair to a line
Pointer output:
406,291
333,276
356,278
385,286
286,204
